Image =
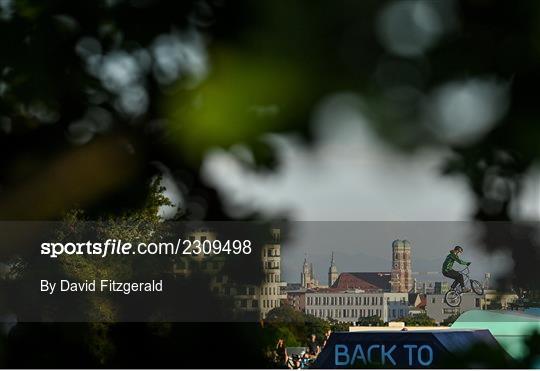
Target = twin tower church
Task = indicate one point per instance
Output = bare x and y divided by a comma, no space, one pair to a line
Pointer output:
399,279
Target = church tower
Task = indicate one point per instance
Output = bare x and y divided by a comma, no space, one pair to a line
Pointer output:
305,276
401,277
332,272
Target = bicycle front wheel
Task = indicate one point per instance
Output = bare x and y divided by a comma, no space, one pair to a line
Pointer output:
477,287
452,298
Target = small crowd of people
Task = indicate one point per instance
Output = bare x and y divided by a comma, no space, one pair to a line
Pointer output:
297,361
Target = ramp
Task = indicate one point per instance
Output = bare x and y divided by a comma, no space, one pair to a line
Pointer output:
398,349
510,328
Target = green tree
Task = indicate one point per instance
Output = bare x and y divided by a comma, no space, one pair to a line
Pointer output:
141,224
370,321
418,320
450,320
285,314
337,326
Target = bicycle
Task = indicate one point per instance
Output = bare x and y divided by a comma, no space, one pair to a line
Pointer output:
453,296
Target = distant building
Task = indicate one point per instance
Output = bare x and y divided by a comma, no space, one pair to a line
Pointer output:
256,299
401,280
398,280
495,300
292,286
297,299
417,301
270,290
365,281
437,309
431,287
307,277
332,272
349,306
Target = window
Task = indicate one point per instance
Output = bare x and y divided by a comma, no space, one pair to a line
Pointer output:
477,302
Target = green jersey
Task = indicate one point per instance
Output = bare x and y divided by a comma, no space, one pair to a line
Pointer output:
449,262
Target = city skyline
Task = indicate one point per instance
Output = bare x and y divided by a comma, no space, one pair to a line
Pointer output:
431,242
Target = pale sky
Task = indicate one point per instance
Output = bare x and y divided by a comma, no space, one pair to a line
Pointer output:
351,175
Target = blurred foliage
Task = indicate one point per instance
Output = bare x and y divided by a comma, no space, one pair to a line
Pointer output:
295,328
484,356
300,324
245,97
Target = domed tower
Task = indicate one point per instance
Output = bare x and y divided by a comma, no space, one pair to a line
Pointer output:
407,261
401,277
332,272
395,280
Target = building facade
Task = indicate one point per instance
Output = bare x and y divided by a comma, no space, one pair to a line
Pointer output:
297,299
349,306
437,309
257,300
431,287
271,293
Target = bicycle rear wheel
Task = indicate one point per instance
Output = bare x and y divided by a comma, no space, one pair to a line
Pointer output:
477,287
452,298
